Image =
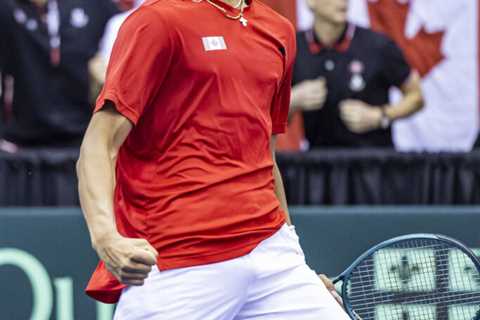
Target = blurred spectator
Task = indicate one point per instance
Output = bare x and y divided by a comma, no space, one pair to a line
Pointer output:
342,80
98,65
112,28
46,45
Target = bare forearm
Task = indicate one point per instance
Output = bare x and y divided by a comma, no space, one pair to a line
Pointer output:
412,100
96,184
280,192
410,104
95,169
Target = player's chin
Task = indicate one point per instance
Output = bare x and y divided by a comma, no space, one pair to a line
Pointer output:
340,17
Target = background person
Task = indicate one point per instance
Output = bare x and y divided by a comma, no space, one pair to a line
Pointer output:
98,65
45,46
342,78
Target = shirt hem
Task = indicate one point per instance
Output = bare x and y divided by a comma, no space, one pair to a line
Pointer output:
112,295
215,258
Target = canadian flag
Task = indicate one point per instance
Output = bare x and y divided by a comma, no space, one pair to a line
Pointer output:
214,43
440,39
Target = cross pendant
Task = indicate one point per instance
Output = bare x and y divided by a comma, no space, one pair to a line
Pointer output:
243,21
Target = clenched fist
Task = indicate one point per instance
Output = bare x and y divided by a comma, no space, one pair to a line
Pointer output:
309,95
360,117
129,260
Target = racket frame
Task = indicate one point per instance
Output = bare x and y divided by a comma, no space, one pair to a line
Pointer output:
387,243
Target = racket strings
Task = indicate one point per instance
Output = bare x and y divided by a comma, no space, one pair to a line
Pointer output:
416,279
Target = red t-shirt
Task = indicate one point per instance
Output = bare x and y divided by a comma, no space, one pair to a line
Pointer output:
205,93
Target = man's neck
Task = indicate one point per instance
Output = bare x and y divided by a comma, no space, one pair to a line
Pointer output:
327,32
39,3
233,3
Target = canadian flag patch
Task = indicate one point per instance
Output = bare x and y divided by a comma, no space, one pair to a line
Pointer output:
214,43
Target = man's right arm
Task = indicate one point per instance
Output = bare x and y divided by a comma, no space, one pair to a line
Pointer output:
308,95
138,66
130,260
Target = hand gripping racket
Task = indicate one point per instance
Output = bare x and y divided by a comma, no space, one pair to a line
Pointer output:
413,277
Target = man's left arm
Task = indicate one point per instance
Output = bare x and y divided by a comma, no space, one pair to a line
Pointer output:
411,102
277,177
280,193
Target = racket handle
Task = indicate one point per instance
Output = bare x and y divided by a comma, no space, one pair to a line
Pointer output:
335,281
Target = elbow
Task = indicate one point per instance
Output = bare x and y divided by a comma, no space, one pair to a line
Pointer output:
78,166
420,104
80,161
416,87
92,152
415,98
82,158
413,93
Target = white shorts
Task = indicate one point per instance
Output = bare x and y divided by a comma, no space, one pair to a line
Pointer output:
272,282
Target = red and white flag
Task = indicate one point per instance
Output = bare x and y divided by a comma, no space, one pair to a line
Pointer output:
441,40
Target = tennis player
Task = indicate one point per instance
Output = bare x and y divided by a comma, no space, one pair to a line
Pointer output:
178,183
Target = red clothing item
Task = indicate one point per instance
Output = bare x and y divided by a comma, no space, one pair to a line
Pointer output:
194,176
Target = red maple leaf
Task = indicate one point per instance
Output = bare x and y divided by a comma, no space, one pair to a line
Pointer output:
423,51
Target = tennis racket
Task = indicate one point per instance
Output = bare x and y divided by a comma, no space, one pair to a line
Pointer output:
413,277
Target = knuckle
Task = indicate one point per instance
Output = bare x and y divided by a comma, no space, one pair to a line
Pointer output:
142,241
136,254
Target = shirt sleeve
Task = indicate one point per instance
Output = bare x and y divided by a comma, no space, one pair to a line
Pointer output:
140,60
281,101
396,68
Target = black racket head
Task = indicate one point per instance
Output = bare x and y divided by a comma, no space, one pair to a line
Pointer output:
414,277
